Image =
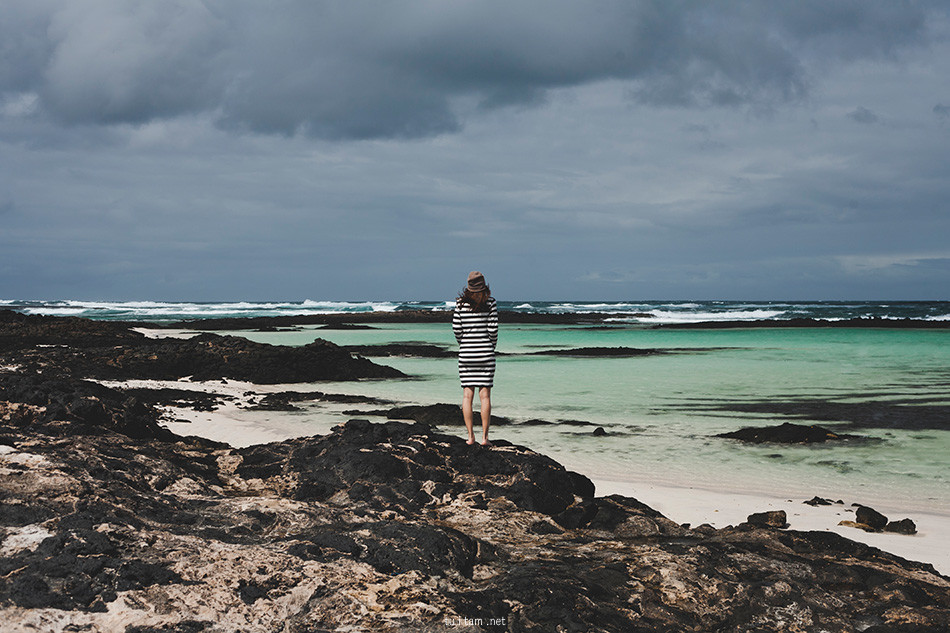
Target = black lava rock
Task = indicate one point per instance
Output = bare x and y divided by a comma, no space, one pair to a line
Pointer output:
110,350
786,433
870,517
772,518
904,526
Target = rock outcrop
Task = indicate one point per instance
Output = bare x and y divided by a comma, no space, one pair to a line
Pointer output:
22,331
787,433
393,527
870,520
68,406
112,351
771,518
442,414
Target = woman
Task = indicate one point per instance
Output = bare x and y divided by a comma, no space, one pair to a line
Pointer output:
475,324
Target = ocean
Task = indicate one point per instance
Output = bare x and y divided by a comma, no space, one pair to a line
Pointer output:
646,312
888,386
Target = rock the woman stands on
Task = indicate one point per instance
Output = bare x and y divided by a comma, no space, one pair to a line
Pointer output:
475,325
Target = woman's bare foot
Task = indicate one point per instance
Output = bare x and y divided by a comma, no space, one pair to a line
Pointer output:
485,442
470,441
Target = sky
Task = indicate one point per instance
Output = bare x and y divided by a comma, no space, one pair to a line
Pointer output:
224,150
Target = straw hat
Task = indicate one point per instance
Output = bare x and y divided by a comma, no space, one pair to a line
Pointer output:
476,281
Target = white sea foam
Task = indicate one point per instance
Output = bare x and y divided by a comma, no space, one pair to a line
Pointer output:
584,308
162,309
55,311
666,316
350,306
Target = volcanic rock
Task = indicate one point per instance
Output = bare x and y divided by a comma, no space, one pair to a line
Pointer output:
394,527
820,501
20,331
186,398
785,433
441,414
205,357
568,422
772,518
870,517
56,405
620,352
904,526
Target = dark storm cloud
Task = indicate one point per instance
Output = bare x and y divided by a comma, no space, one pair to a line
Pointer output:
378,70
584,149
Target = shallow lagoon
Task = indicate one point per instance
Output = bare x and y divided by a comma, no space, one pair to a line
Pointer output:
661,410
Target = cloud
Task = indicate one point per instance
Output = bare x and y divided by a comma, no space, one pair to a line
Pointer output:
892,263
942,111
863,115
19,105
149,147
117,62
399,70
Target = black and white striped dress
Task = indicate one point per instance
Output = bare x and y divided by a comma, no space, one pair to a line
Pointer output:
476,333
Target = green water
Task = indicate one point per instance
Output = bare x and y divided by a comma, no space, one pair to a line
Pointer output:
661,411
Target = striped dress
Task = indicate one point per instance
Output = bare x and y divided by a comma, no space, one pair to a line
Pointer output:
476,333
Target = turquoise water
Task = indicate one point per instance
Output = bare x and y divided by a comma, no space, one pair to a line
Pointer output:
661,411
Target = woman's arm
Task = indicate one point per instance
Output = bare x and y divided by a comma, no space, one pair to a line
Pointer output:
493,323
457,322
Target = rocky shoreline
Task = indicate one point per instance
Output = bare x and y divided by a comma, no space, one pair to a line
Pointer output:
112,523
71,346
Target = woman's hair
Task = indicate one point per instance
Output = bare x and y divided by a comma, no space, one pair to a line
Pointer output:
478,300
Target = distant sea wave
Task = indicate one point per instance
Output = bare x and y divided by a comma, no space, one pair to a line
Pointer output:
647,312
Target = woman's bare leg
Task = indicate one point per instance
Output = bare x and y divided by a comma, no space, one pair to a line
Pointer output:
468,394
484,395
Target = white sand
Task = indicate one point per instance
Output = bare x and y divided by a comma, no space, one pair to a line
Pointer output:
696,506
225,425
232,424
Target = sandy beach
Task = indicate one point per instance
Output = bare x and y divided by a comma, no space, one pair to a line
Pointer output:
683,504
696,506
